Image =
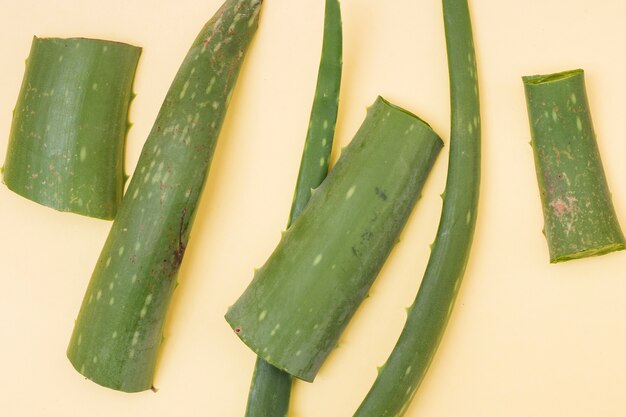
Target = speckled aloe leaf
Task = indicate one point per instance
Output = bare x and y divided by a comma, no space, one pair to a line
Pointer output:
270,390
66,148
580,220
400,377
119,328
299,302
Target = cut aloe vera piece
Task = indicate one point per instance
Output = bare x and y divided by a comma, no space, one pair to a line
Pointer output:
299,302
580,220
66,148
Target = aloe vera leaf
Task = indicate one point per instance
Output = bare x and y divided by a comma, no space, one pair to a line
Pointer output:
580,220
299,302
66,147
119,328
319,139
270,389
400,377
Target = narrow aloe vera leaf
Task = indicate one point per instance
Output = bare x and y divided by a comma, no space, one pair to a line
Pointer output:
580,220
270,389
119,328
299,302
66,147
321,132
400,377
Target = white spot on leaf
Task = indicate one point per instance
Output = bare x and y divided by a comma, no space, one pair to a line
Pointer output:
350,192
184,90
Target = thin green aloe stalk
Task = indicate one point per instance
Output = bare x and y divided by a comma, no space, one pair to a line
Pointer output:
119,329
270,390
580,220
66,148
298,304
319,139
400,377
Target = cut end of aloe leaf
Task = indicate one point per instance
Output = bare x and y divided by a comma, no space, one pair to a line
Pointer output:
66,146
548,78
398,108
109,380
87,41
603,250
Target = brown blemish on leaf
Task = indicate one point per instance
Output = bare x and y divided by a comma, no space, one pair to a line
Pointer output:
564,207
180,251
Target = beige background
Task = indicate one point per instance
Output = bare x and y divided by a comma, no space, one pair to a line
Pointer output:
527,339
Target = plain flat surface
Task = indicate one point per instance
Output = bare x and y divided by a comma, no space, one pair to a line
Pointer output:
526,339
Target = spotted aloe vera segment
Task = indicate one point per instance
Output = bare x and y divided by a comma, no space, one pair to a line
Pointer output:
580,220
299,302
119,328
66,147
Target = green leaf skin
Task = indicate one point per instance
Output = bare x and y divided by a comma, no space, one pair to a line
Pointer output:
299,302
400,377
580,220
119,328
321,132
66,147
270,389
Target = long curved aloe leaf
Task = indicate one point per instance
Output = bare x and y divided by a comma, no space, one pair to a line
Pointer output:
119,328
66,148
299,302
270,389
400,377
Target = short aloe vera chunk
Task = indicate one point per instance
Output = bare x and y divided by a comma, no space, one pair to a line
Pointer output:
270,389
118,332
400,377
66,147
299,302
580,220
